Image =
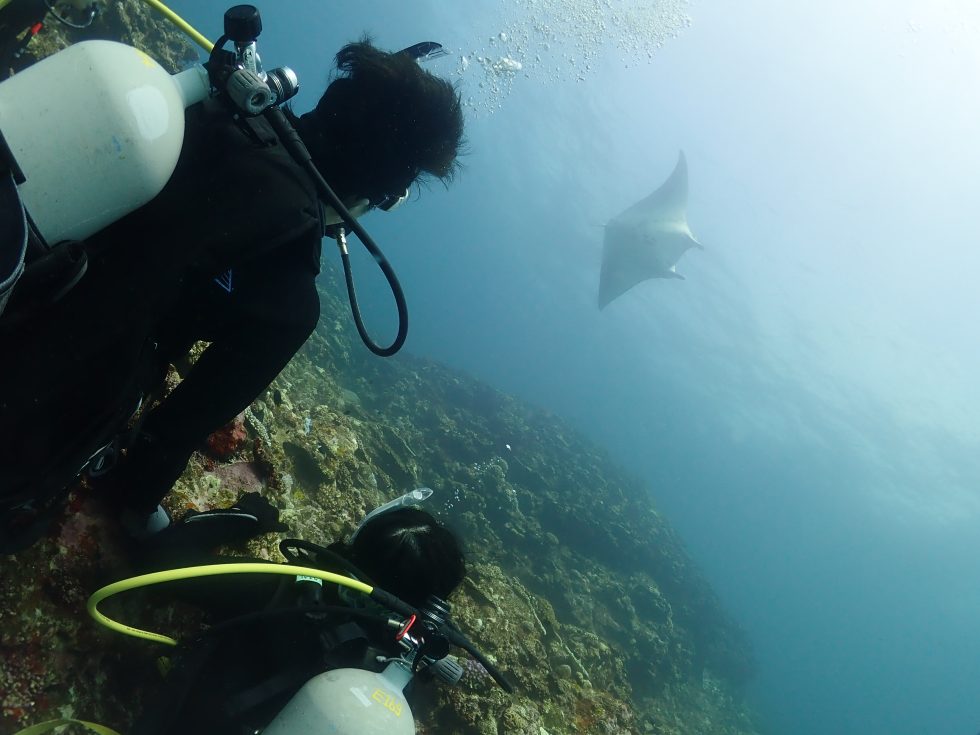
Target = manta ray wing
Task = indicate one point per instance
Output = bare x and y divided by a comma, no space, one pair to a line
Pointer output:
666,204
646,240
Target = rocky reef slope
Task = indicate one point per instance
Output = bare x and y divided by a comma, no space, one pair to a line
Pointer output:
578,588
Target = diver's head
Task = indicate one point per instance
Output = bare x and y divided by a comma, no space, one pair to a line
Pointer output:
409,554
382,124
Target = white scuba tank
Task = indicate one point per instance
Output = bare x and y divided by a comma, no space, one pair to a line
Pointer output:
348,702
96,129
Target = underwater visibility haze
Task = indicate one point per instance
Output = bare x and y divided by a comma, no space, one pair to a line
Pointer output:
802,407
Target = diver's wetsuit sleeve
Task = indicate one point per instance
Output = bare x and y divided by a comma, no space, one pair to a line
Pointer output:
254,331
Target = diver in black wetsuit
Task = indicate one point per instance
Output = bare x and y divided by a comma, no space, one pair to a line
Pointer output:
271,634
227,253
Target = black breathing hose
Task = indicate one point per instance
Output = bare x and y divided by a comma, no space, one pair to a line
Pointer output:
294,144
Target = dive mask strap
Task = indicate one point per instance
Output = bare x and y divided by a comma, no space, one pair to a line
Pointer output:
417,495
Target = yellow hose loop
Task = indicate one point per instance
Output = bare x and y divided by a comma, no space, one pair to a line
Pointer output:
50,725
177,21
210,570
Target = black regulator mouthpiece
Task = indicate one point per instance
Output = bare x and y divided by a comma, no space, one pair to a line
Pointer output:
238,74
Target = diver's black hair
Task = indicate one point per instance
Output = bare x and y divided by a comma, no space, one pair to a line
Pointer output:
383,123
408,553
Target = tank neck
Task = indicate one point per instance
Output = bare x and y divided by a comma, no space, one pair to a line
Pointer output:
397,674
193,85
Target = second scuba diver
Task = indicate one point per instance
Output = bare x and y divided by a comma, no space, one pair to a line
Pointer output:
272,634
228,253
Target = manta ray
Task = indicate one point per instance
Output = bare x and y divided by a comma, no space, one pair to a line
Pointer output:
648,239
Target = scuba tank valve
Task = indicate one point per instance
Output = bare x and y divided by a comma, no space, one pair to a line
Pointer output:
239,73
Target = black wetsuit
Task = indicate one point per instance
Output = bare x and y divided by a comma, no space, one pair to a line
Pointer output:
158,281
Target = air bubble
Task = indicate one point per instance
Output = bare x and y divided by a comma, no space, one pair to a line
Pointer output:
576,33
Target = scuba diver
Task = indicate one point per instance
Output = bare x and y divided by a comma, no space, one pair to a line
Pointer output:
228,254
270,635
324,649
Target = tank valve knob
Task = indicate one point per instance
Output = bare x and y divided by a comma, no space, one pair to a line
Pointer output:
243,24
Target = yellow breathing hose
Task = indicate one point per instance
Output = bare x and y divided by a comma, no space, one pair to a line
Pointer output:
50,725
4,3
171,575
170,15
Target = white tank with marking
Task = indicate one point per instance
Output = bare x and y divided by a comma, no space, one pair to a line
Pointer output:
97,130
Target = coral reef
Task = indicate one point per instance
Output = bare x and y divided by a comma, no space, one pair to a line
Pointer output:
578,589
